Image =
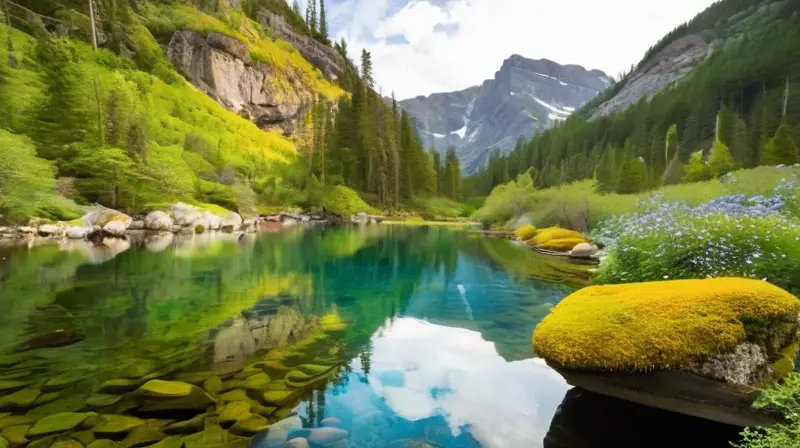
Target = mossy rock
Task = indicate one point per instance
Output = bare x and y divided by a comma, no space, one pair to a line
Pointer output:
48,397
14,420
234,412
247,373
16,435
196,400
525,233
214,437
213,385
190,426
120,386
250,426
103,400
66,442
165,389
264,411
45,442
105,443
20,399
56,423
280,397
556,239
169,442
85,437
314,369
116,424
258,381
63,380
277,385
237,395
7,387
667,325
17,374
13,360
145,435
3,442
231,384
298,379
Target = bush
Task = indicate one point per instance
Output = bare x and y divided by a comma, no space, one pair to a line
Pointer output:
525,233
783,398
508,200
343,201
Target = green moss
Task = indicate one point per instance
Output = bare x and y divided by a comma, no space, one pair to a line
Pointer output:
660,325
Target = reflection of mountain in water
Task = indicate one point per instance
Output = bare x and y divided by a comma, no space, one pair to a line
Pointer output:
589,420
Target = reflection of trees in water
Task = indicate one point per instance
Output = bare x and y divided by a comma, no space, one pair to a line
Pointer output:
588,420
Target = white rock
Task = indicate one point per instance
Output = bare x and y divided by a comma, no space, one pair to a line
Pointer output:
214,221
77,233
248,225
326,436
278,432
100,216
297,443
116,228
231,223
136,225
185,214
583,250
330,421
26,229
51,230
158,221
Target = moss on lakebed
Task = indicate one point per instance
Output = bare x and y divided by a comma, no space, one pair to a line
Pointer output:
662,325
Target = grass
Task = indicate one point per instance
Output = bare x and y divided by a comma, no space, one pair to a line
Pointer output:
643,327
579,206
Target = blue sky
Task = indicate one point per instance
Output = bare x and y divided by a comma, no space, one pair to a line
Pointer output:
421,47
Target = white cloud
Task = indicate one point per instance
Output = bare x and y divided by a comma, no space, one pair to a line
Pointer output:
610,35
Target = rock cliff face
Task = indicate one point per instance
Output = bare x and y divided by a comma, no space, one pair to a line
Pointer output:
524,97
323,57
667,66
221,67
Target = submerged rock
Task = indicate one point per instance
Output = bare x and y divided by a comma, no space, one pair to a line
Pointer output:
165,389
20,399
57,423
116,424
250,425
196,400
234,412
299,442
277,433
690,346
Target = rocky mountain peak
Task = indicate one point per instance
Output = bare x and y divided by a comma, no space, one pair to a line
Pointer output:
524,97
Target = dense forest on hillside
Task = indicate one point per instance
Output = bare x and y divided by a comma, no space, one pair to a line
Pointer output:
114,123
740,107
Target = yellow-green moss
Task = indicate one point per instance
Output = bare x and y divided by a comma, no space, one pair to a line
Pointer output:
557,239
660,325
525,233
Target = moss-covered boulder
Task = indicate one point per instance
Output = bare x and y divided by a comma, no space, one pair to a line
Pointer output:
234,412
160,400
20,399
116,424
674,340
525,232
165,389
556,239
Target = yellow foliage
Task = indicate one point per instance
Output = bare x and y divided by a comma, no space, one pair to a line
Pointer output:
662,325
525,233
332,322
557,239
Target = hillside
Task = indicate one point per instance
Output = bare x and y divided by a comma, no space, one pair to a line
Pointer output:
525,96
730,75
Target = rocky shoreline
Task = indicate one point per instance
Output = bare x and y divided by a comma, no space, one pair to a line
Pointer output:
100,223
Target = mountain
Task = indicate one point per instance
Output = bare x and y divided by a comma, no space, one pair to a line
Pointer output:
726,81
524,97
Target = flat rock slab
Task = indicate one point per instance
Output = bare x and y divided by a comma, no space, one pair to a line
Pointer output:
165,389
56,423
681,392
116,424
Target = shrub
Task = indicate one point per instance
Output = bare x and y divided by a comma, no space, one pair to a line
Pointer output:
508,200
343,201
526,232
662,325
784,398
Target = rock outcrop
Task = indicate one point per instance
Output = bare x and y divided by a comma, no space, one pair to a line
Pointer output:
525,97
667,66
221,66
321,56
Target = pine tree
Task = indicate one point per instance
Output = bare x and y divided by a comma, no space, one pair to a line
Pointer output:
671,149
780,149
720,161
632,176
697,170
366,69
296,8
452,174
607,171
675,172
323,22
312,17
437,167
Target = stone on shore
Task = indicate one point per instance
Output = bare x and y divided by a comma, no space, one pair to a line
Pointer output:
78,233
158,222
115,228
583,250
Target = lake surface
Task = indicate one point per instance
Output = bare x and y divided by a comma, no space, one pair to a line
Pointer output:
402,337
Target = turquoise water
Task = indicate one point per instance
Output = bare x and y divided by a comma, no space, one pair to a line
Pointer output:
402,337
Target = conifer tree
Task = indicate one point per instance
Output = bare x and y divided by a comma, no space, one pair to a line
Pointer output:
672,144
312,17
437,168
296,8
675,172
323,22
780,149
607,171
366,69
632,176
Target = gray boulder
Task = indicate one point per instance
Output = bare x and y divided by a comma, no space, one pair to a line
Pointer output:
158,221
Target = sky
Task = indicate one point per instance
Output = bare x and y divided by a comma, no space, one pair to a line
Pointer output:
421,47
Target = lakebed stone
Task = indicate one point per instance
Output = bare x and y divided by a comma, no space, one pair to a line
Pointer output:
165,389
299,442
278,432
196,400
234,412
56,423
116,424
250,425
20,399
